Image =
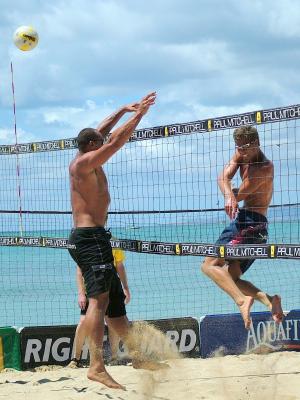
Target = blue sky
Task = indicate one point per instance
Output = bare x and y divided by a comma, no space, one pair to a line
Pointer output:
204,59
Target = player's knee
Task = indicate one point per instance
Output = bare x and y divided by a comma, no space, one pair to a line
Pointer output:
99,301
235,278
81,322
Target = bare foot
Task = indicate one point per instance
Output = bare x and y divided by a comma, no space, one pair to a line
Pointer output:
149,365
245,310
277,313
104,378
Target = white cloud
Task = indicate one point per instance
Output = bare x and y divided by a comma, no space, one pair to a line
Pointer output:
7,136
203,61
284,19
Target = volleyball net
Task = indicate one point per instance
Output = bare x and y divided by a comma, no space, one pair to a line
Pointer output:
166,206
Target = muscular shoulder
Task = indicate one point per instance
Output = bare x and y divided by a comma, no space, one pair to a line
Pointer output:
267,165
78,166
265,168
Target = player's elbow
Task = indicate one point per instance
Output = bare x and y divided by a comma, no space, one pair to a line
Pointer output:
220,181
224,177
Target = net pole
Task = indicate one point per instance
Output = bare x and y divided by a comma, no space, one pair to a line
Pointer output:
21,230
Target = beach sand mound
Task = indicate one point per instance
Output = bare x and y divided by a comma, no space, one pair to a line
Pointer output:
259,377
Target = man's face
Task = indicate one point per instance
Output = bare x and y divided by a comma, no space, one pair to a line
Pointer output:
247,149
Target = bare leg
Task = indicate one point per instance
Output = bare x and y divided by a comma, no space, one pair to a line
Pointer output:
117,327
79,339
273,303
94,327
216,270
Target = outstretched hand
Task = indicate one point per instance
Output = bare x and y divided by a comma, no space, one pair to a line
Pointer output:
133,107
146,102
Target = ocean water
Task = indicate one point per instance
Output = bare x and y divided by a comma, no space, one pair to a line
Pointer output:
38,285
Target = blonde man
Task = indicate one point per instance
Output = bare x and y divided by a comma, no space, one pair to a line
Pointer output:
249,224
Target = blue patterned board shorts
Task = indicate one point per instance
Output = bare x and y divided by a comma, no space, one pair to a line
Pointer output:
248,227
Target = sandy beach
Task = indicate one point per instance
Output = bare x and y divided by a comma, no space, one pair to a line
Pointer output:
259,377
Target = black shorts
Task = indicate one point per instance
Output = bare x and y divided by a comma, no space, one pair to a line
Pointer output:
116,306
93,255
248,227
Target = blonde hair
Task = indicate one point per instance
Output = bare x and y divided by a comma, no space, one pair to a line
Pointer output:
246,132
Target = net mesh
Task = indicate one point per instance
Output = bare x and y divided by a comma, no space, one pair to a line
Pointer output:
162,190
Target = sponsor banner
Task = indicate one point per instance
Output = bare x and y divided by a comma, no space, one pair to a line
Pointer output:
199,249
149,133
5,149
125,244
288,251
10,354
59,243
46,345
22,148
25,241
8,241
53,345
53,145
182,333
245,251
186,129
226,334
227,122
157,248
279,114
232,121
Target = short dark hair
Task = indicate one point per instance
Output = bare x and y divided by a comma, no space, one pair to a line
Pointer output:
85,136
247,132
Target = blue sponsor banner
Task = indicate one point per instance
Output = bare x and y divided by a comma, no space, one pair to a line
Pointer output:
225,334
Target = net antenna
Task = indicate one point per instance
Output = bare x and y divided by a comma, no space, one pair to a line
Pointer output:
21,230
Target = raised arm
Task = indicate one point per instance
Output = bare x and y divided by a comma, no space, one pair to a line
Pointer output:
224,182
108,123
118,138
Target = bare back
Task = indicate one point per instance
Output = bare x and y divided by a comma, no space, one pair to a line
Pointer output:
259,176
89,195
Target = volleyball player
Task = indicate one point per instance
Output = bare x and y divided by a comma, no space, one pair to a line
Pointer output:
90,201
248,222
115,318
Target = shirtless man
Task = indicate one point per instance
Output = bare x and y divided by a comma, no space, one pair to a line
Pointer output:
90,201
248,223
